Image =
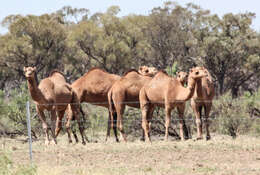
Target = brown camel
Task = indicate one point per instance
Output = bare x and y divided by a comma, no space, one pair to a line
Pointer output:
52,94
126,92
202,98
93,87
182,77
168,92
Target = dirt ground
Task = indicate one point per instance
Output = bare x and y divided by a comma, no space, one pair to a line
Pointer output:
221,155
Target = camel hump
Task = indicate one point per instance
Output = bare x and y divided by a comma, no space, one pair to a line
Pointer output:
56,71
95,69
129,71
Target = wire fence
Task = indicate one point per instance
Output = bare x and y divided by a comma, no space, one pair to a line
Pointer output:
96,119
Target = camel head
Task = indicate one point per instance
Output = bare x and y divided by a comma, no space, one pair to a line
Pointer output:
29,72
198,73
182,77
147,71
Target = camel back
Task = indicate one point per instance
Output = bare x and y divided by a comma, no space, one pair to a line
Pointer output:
95,68
161,71
56,71
131,70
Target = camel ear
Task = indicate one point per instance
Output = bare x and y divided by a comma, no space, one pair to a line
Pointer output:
141,68
34,68
24,69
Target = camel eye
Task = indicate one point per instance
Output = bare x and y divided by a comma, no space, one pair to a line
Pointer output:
146,71
197,73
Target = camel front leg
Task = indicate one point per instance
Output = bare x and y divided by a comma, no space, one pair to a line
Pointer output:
207,111
54,120
44,125
59,123
167,122
183,128
197,111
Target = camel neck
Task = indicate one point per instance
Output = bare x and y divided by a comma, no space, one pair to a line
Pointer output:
34,90
188,92
198,88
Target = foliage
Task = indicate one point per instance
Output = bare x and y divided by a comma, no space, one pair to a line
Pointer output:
171,37
233,116
13,119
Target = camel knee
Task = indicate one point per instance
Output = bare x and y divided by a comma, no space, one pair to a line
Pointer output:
45,126
198,122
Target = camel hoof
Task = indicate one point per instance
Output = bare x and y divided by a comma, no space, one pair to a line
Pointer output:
208,138
53,142
199,138
142,139
47,142
84,143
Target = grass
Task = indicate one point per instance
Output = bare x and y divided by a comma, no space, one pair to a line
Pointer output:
221,155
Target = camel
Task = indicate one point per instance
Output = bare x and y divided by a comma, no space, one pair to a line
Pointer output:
202,98
126,92
52,94
168,92
93,87
182,77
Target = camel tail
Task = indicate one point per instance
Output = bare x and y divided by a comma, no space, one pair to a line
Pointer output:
111,105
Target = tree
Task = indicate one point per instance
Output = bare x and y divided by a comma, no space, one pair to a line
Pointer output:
229,48
33,40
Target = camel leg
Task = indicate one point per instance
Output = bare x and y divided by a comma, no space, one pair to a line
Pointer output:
207,111
145,124
183,128
197,111
144,106
120,111
59,122
109,124
167,122
44,125
114,123
54,119
75,110
149,118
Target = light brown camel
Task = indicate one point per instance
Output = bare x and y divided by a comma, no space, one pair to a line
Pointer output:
52,94
126,92
202,98
168,92
93,87
182,77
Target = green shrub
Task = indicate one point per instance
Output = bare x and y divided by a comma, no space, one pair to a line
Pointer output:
13,115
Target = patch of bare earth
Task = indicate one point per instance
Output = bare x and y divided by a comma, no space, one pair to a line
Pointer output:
221,155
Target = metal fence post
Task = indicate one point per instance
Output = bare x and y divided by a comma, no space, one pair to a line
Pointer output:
28,115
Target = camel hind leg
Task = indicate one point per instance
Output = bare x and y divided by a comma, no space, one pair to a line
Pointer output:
144,105
75,107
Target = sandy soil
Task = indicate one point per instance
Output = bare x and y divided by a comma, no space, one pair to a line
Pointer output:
221,155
